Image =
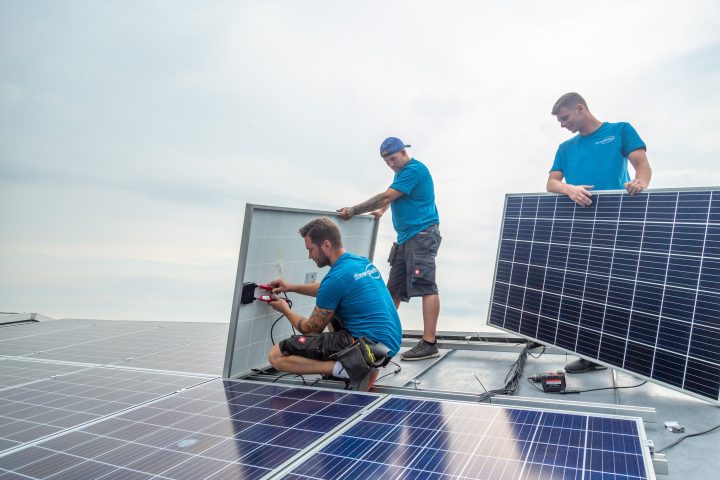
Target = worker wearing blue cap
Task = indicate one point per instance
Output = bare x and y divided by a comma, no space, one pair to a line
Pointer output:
411,197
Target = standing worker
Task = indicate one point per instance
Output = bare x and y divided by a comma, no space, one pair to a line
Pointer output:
597,159
411,197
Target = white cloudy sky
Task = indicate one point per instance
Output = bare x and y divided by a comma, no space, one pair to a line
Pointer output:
132,133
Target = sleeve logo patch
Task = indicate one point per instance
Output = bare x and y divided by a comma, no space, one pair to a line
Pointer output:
302,339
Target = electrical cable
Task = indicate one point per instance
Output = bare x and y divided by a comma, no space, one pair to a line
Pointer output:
286,374
667,447
567,392
607,388
395,372
539,354
513,377
272,327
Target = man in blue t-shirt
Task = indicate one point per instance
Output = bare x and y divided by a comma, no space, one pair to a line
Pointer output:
598,156
352,301
411,197
597,159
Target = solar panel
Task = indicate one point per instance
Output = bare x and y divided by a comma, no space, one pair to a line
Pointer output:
45,407
204,356
218,430
100,342
632,282
272,248
407,438
14,371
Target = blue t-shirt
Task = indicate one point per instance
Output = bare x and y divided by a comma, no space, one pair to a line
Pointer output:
355,289
414,211
598,159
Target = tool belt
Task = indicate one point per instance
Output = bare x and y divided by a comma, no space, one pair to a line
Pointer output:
362,356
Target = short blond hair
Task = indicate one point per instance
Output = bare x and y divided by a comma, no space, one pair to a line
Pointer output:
569,100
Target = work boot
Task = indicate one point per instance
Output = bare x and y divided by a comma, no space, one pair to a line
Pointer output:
421,351
581,366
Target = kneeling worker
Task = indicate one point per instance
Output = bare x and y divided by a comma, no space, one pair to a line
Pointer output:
352,291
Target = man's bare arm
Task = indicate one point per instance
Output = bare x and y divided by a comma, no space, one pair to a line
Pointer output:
309,289
316,323
381,200
643,173
579,194
380,211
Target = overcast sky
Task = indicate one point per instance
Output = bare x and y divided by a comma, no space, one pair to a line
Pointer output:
132,133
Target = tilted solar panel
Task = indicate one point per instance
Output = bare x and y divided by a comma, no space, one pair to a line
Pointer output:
632,282
272,248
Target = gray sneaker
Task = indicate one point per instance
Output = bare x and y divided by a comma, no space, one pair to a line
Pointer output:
421,351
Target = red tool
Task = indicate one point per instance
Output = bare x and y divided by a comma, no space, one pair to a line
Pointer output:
271,297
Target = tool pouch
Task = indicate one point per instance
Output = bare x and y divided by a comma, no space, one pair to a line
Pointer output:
361,357
354,359
393,252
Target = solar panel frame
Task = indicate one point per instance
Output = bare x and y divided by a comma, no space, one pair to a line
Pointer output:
249,337
42,408
219,429
646,248
392,440
101,341
18,371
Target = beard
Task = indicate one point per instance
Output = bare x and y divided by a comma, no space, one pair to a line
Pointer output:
322,261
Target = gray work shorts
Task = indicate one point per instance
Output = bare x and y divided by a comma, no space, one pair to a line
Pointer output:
412,265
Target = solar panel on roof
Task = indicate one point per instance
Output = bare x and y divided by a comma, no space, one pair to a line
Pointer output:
406,438
45,407
103,341
217,430
632,282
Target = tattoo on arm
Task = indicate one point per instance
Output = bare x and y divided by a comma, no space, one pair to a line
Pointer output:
378,201
317,321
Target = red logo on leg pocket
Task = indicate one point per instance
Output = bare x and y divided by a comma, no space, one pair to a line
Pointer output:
302,339
417,271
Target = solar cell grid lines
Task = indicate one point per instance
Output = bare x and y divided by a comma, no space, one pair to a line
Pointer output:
17,372
100,342
217,430
406,438
205,356
631,281
45,407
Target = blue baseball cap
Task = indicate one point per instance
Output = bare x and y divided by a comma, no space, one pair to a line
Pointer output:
392,145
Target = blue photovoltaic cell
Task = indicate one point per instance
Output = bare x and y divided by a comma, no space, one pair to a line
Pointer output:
218,430
630,281
46,407
420,439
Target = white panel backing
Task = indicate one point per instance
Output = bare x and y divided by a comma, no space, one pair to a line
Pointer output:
272,248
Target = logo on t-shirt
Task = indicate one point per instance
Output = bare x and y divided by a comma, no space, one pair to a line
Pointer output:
370,271
605,140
